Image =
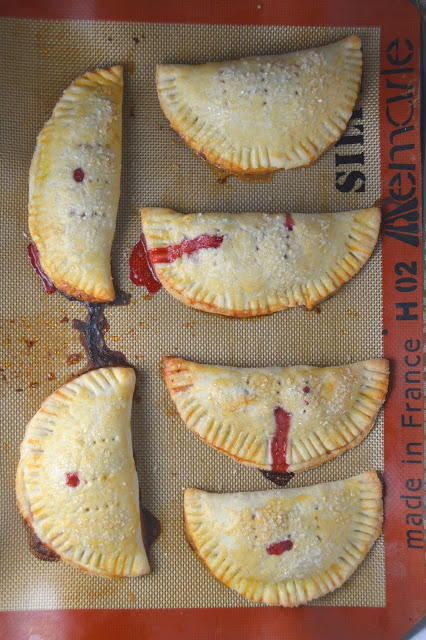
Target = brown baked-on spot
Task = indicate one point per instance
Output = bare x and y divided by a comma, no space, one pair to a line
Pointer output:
277,477
73,358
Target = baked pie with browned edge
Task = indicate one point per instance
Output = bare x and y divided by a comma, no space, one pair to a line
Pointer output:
257,115
76,482
286,546
74,186
285,419
251,264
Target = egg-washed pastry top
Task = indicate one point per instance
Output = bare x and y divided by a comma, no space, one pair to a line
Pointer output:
260,114
251,264
74,186
76,482
286,546
285,419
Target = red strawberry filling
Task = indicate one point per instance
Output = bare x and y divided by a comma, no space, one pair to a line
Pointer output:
72,479
78,174
188,247
289,222
34,256
142,273
306,390
278,548
279,441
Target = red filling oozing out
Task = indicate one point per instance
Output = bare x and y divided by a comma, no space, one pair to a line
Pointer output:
277,548
289,222
142,273
279,441
170,254
72,479
78,174
34,256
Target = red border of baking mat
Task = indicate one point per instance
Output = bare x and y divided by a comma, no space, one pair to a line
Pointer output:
402,339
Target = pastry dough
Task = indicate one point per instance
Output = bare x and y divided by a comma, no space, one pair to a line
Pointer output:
74,186
279,419
251,264
76,483
257,115
286,546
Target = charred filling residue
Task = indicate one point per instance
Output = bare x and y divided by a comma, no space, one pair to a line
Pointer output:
38,549
92,337
278,478
151,528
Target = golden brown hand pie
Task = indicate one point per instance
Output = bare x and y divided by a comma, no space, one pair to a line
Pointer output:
257,115
286,546
279,419
251,264
76,483
74,186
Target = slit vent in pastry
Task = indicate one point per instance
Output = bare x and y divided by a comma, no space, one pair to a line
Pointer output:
286,419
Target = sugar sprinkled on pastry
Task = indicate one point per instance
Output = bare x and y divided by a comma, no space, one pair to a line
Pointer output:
286,419
76,482
286,546
74,186
251,264
260,114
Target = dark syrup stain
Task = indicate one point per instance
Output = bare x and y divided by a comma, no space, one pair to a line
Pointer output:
38,549
93,330
278,478
151,528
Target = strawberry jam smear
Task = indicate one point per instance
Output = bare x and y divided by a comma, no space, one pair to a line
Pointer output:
142,259
279,441
72,479
188,247
142,272
34,256
278,548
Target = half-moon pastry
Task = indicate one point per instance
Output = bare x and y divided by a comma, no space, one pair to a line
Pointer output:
74,186
76,482
286,419
286,546
260,114
251,264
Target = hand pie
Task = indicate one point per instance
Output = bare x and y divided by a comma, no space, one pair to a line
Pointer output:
76,483
260,114
279,419
74,186
286,546
251,264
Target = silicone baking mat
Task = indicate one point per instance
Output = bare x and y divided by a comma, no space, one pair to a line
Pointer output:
41,350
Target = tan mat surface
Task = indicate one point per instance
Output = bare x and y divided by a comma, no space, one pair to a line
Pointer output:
40,59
